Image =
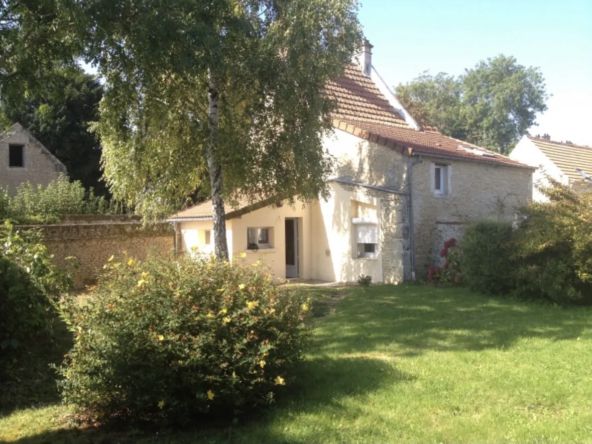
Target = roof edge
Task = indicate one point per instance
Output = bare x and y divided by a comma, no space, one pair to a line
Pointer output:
466,159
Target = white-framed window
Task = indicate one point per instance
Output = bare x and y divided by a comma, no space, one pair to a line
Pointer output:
441,175
262,237
367,240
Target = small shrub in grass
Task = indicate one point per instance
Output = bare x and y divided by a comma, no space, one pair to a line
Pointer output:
486,257
30,284
168,341
364,281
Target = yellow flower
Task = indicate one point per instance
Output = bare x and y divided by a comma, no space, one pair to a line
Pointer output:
141,283
280,381
243,255
160,337
220,290
252,304
226,320
211,395
262,363
210,315
111,259
223,311
131,262
161,404
304,307
241,286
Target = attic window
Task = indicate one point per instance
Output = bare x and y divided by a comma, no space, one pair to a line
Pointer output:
16,156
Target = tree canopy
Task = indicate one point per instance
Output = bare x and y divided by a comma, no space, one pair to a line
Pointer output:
224,97
58,113
491,105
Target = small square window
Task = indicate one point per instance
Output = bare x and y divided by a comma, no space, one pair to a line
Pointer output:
367,240
261,237
16,156
208,240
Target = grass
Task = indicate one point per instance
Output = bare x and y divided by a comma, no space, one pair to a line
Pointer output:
406,364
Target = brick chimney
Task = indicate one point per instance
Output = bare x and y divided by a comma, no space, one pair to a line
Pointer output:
364,57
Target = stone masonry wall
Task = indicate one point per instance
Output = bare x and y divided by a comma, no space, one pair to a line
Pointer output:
40,167
92,244
477,191
366,162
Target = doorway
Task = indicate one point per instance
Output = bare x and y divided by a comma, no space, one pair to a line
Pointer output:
292,254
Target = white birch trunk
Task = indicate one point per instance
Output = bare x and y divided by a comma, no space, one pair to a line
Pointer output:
218,214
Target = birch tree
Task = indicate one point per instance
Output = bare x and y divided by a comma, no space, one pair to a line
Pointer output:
223,98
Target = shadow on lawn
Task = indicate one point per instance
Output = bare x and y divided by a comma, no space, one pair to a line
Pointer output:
33,381
322,382
416,319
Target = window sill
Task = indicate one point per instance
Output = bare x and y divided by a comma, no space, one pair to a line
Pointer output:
365,258
261,250
441,195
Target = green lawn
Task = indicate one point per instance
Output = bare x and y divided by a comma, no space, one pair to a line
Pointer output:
408,364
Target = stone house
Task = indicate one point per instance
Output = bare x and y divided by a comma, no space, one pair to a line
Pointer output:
398,191
23,158
563,161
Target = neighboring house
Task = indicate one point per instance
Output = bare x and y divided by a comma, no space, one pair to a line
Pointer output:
565,162
23,158
397,193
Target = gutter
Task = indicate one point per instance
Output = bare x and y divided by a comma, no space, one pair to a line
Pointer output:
411,222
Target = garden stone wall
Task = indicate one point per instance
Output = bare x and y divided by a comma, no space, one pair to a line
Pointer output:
92,240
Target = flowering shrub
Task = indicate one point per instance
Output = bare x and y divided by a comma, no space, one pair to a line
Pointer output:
450,272
167,340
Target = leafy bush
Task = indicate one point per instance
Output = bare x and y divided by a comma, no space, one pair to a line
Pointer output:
364,281
167,340
486,257
30,284
46,205
450,272
553,247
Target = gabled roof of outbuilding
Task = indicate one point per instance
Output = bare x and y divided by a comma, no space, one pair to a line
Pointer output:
566,156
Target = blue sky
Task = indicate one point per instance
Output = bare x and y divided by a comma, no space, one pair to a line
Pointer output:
450,35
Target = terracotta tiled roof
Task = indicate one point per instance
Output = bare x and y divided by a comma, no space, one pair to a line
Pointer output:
423,142
365,112
566,156
359,99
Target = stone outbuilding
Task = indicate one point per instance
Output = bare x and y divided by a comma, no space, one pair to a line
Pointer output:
23,158
397,192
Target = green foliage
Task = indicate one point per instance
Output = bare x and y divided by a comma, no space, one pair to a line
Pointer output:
553,247
58,114
486,257
264,65
30,283
364,281
491,105
42,205
167,341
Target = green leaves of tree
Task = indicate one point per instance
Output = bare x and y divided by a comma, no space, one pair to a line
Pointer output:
491,105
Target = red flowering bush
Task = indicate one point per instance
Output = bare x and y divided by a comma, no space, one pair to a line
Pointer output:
450,272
